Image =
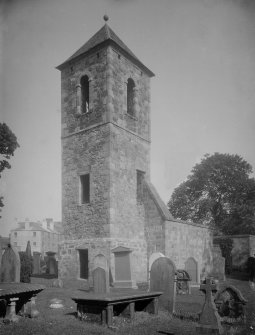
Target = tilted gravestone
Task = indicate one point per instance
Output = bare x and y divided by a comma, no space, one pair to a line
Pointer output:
99,281
209,321
162,278
10,265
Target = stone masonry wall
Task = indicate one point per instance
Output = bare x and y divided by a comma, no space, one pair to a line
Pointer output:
86,152
94,66
154,228
120,69
185,240
129,153
69,265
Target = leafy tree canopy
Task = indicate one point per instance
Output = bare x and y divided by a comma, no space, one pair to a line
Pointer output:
220,193
8,144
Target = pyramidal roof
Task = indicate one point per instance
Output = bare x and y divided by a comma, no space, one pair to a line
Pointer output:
105,36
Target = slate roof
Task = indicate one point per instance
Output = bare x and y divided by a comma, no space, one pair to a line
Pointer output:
105,36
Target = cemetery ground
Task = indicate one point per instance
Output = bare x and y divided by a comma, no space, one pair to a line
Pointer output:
63,321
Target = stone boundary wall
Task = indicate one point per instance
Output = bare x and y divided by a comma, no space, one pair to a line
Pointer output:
184,240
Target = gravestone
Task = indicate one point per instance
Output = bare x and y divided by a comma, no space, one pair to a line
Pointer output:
218,270
99,281
28,249
123,277
100,261
36,262
182,282
230,304
191,267
209,321
10,265
162,278
52,266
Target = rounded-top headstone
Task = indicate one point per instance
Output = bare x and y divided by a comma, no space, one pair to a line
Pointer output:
106,18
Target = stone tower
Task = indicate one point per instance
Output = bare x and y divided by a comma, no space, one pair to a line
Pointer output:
105,103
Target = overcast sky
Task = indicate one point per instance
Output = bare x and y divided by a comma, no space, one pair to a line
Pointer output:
202,97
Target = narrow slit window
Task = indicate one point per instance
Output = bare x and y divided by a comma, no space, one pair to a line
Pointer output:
139,189
85,94
84,269
85,188
130,96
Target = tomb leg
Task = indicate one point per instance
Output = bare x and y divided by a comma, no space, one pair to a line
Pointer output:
155,306
30,308
152,306
11,315
103,316
132,310
109,314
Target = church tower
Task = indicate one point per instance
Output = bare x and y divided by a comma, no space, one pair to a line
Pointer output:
105,104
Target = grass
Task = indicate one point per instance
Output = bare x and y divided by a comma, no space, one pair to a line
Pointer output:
64,322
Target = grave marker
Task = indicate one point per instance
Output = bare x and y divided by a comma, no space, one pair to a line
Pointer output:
209,321
36,262
10,265
191,267
99,281
162,278
52,266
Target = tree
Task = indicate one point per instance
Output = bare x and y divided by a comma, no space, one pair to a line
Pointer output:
8,144
220,193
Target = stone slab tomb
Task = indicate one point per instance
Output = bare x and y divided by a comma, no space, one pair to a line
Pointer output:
162,278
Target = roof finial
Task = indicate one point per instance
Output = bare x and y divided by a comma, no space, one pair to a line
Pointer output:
106,18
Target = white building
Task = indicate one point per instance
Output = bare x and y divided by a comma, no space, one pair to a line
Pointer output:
43,236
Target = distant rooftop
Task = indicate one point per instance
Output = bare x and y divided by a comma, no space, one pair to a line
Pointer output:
48,225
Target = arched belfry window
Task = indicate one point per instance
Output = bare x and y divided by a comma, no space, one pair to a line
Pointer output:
84,94
130,96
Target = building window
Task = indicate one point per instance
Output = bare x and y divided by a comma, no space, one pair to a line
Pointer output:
139,185
85,189
130,96
84,270
34,243
34,233
15,234
84,94
15,243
